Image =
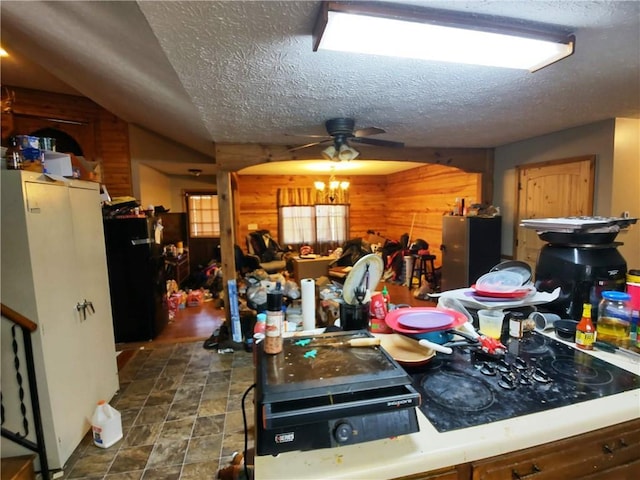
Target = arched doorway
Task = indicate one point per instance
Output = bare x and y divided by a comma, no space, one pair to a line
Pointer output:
65,143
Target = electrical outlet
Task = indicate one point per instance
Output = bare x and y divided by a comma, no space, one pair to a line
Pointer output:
252,226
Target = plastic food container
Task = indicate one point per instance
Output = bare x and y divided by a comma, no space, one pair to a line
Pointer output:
614,317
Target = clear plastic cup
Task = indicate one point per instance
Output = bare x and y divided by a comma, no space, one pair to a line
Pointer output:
490,322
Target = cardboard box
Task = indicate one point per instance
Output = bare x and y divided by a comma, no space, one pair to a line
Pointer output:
57,164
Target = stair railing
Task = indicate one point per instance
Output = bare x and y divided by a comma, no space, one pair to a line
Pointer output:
27,327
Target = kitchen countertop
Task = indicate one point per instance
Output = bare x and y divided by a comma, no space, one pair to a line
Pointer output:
429,449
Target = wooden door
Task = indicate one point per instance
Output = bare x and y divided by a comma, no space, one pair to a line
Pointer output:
558,188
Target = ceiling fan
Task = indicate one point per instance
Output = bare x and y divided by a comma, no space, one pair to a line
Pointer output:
341,131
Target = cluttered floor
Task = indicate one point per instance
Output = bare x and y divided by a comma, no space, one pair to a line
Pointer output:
181,403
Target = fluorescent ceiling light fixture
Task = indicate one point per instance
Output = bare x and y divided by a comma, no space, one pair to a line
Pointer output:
412,32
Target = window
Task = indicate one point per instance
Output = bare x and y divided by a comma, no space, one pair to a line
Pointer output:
323,226
204,215
297,225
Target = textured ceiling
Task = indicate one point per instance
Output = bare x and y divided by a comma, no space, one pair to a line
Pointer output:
245,72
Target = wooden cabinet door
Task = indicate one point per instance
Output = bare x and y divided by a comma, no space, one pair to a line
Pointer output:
559,188
594,455
448,473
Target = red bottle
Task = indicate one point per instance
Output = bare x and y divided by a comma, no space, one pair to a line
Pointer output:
585,331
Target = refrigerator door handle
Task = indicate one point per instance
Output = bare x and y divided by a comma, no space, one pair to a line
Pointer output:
141,241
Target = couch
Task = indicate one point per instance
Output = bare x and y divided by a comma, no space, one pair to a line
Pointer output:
264,252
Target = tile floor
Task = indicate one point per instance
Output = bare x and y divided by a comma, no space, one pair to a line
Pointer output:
180,404
181,416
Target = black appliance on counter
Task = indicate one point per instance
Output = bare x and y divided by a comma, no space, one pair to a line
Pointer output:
582,272
538,373
311,396
136,278
581,258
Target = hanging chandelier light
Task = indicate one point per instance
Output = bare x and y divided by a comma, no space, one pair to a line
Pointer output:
331,190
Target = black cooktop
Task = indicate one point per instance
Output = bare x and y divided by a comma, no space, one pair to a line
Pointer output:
538,373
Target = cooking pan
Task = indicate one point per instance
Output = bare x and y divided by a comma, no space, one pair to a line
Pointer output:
404,350
578,238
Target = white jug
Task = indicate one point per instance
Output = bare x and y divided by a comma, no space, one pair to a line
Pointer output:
106,425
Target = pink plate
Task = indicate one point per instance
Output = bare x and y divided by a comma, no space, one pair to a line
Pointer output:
424,319
516,294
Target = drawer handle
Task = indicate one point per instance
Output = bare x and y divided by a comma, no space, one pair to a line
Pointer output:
607,449
517,476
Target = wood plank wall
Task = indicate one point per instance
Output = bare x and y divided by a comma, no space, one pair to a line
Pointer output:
102,136
385,204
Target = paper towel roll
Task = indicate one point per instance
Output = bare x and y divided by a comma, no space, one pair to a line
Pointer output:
308,303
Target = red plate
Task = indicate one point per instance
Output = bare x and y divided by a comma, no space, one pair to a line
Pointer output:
516,294
423,319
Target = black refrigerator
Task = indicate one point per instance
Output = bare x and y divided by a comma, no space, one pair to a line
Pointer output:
136,278
471,246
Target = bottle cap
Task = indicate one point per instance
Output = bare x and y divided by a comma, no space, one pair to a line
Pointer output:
274,301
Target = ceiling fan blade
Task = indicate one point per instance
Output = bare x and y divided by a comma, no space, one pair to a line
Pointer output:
377,142
366,132
300,147
305,135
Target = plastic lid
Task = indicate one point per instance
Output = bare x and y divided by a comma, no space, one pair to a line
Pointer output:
615,295
499,281
261,317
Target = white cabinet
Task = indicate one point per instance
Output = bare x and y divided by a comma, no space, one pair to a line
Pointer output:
53,258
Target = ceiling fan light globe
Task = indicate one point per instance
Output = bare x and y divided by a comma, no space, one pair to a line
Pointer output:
329,153
347,153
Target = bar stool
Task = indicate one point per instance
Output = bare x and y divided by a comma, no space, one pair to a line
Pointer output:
423,264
